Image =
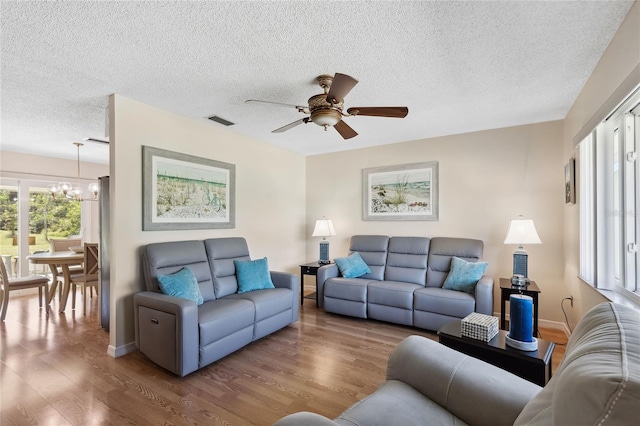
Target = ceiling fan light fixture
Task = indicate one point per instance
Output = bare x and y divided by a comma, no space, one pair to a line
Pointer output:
326,117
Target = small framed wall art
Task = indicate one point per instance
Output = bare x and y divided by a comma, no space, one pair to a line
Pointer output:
570,182
405,192
181,191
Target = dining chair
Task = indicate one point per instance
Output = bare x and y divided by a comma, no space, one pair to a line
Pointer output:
7,285
89,278
64,244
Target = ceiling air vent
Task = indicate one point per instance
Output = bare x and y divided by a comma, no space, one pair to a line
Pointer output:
220,120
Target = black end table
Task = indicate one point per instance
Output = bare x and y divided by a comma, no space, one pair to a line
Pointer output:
534,366
506,290
309,269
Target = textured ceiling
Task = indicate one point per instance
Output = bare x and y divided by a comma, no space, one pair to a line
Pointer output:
458,66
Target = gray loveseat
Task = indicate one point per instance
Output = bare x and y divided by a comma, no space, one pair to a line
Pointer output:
597,383
405,283
181,336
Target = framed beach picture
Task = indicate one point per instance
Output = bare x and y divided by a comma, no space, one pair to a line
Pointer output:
181,191
406,192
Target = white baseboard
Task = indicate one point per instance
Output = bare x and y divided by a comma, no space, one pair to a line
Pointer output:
116,352
555,325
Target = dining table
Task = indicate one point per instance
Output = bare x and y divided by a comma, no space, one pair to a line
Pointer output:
62,259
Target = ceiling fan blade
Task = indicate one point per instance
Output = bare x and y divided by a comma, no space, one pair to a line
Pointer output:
393,112
345,130
298,107
341,85
291,125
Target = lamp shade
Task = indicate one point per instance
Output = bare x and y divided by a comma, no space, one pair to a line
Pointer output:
522,231
324,228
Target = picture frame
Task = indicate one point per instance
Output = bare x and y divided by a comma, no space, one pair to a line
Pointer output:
182,191
570,182
403,192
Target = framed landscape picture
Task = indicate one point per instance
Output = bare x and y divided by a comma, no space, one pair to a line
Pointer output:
406,192
181,191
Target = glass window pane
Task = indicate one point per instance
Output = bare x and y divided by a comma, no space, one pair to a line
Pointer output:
616,209
52,217
9,227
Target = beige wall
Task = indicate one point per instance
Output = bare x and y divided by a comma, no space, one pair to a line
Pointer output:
486,179
621,60
270,199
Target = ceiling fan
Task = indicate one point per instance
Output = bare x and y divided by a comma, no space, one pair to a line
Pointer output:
325,109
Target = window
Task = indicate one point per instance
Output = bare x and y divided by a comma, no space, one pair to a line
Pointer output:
609,195
29,218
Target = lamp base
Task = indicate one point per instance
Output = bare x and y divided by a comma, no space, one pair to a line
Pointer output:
324,253
520,261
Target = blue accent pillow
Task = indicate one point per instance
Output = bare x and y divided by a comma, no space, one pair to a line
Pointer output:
182,284
352,266
463,275
253,275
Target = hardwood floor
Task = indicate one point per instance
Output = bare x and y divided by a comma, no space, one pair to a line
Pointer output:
55,371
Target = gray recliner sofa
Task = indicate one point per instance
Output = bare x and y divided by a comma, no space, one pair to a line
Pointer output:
597,383
405,283
181,336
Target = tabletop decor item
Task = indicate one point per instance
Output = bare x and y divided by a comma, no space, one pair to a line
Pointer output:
521,323
324,228
479,326
521,231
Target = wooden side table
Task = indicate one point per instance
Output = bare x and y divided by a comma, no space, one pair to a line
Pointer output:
308,269
506,290
534,366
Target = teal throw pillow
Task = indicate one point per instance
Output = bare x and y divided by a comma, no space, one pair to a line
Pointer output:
352,266
182,284
463,275
253,275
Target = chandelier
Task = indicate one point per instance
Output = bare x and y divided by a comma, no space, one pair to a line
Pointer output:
70,192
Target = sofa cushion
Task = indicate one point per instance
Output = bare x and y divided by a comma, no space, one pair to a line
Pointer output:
445,302
392,293
221,252
170,257
352,266
267,302
407,260
181,284
443,249
253,275
354,289
373,250
463,275
598,380
222,317
397,403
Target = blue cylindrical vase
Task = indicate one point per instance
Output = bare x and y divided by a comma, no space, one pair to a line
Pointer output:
521,318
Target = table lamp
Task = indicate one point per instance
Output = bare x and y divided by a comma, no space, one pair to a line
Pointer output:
521,231
324,228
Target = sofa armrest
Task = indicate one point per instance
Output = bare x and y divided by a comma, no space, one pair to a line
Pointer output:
484,295
324,273
305,418
472,390
285,280
185,313
292,282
